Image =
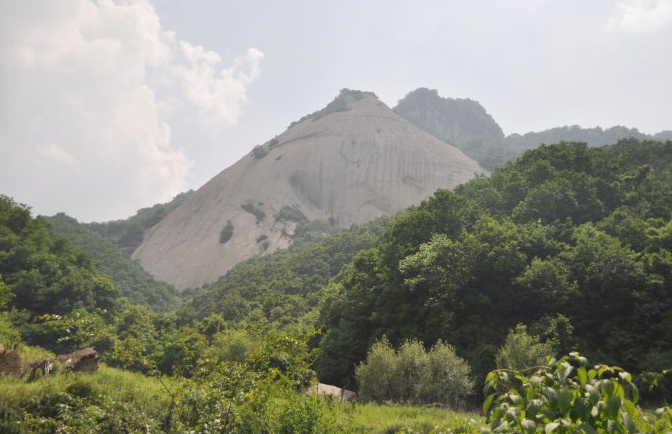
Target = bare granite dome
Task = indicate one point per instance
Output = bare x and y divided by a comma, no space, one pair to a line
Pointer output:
350,162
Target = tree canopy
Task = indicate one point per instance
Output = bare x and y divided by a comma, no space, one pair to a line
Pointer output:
575,242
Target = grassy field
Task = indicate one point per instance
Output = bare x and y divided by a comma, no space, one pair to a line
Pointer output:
384,419
144,394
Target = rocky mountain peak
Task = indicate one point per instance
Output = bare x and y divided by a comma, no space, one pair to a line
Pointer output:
349,162
463,123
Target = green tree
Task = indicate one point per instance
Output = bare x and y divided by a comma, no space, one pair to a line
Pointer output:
414,375
521,350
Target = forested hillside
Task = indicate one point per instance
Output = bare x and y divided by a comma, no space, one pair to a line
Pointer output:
44,274
128,234
575,242
131,280
518,143
567,248
287,284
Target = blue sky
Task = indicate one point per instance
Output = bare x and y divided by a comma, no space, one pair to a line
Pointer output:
110,106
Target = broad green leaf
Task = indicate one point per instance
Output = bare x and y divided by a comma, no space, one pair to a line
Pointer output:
529,393
582,408
608,387
549,428
583,375
565,372
516,399
588,429
627,421
635,393
613,405
529,426
533,407
487,403
565,401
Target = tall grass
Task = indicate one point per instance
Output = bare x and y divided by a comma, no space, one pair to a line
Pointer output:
146,395
383,419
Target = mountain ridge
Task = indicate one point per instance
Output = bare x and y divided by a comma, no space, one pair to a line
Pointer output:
466,124
350,162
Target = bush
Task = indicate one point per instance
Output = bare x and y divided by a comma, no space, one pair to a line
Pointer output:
377,374
290,214
258,213
568,396
226,233
520,350
232,346
259,152
305,415
414,375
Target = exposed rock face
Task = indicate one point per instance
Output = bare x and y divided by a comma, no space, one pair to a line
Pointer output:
337,393
350,162
85,360
463,123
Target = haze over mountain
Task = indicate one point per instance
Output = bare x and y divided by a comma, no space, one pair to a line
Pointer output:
466,124
350,162
461,122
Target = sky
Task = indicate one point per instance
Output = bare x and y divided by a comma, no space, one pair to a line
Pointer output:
109,106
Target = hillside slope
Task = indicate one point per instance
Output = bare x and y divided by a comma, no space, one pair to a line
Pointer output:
466,124
131,280
350,162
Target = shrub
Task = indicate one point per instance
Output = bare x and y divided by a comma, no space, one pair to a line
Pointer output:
305,415
378,373
290,214
448,381
520,350
259,151
226,233
258,213
232,346
413,374
568,396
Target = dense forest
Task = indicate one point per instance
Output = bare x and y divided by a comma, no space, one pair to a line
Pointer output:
131,280
574,242
569,248
127,234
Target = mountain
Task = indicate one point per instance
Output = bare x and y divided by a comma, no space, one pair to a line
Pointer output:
465,124
350,162
592,136
127,234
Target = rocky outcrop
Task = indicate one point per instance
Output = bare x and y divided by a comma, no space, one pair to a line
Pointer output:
350,162
335,392
463,123
11,362
85,360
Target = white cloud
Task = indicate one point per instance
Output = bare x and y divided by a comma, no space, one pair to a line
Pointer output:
90,91
55,153
642,15
217,93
